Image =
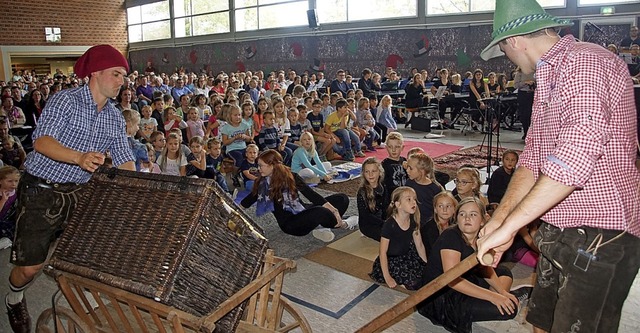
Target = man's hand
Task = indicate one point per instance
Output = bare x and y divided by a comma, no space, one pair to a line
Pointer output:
91,161
497,239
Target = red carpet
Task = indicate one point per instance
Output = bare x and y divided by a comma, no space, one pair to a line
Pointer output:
432,149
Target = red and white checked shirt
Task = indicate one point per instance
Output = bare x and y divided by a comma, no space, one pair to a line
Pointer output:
583,134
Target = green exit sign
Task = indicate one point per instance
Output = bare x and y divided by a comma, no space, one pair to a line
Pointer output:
609,10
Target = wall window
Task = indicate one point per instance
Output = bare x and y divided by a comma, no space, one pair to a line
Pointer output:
439,7
266,14
331,11
200,17
603,3
149,22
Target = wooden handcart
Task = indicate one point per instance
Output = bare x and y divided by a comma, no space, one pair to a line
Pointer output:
97,307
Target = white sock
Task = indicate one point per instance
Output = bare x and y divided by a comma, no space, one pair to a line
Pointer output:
16,294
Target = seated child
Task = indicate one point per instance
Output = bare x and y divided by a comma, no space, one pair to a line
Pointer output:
214,163
195,125
172,161
303,158
10,155
370,199
197,160
172,120
152,166
481,294
147,125
249,167
270,139
402,257
9,178
132,119
468,185
502,176
158,141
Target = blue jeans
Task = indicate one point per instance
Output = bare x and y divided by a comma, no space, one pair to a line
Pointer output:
349,140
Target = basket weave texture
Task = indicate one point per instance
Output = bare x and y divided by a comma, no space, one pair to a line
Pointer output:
181,241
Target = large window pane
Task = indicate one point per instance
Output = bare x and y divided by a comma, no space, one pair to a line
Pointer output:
377,9
330,11
210,24
135,33
181,8
269,2
601,2
482,6
447,6
208,6
182,27
156,30
133,15
155,11
274,16
246,19
245,3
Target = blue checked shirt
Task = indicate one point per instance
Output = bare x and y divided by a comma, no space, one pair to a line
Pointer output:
71,117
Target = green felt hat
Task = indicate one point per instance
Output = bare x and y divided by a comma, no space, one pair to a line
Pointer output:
518,17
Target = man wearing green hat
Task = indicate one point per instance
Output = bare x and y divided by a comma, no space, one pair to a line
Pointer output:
576,173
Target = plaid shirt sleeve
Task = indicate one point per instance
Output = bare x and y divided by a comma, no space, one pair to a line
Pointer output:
584,129
55,116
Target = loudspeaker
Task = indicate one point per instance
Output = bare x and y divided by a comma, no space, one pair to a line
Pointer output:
312,17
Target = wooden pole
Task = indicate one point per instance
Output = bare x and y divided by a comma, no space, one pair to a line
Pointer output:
423,293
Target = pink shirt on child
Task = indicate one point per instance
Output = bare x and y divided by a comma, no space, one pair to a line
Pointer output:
196,128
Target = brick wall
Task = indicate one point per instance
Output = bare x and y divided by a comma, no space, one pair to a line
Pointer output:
82,22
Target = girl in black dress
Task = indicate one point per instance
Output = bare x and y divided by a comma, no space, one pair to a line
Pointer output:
402,257
371,197
481,294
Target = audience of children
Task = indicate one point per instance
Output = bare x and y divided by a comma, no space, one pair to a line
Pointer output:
9,179
306,162
402,255
481,294
371,198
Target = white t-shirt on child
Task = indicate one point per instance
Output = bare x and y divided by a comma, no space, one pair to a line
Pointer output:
172,167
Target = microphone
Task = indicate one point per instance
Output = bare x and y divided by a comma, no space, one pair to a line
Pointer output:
589,24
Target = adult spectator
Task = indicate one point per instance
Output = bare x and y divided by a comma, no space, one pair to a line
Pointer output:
144,92
580,131
45,90
124,100
18,101
633,38
525,84
180,89
634,65
67,151
34,108
339,85
160,86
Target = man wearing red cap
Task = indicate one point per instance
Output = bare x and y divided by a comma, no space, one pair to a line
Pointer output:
76,128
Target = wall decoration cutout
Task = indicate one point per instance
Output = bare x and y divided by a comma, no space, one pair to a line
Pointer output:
353,45
165,58
318,65
462,58
240,66
250,52
296,49
394,60
193,57
423,47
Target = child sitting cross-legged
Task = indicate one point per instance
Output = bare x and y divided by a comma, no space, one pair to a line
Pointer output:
306,162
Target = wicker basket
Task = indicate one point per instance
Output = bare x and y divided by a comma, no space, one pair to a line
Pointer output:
181,241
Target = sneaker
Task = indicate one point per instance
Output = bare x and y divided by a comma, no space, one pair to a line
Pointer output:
522,292
235,193
352,222
5,243
323,234
359,153
19,317
382,145
348,157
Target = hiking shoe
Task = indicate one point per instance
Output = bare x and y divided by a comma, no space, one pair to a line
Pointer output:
522,292
351,222
323,234
5,243
359,153
19,317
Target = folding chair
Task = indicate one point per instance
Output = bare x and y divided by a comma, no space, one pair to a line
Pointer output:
466,114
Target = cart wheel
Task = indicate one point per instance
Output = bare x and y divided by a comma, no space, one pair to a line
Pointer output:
300,320
65,320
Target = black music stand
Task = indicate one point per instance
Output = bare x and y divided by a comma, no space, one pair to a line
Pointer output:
491,114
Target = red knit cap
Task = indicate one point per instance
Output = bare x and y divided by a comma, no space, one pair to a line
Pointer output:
98,58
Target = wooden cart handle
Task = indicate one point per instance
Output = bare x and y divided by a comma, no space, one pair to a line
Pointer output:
424,292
